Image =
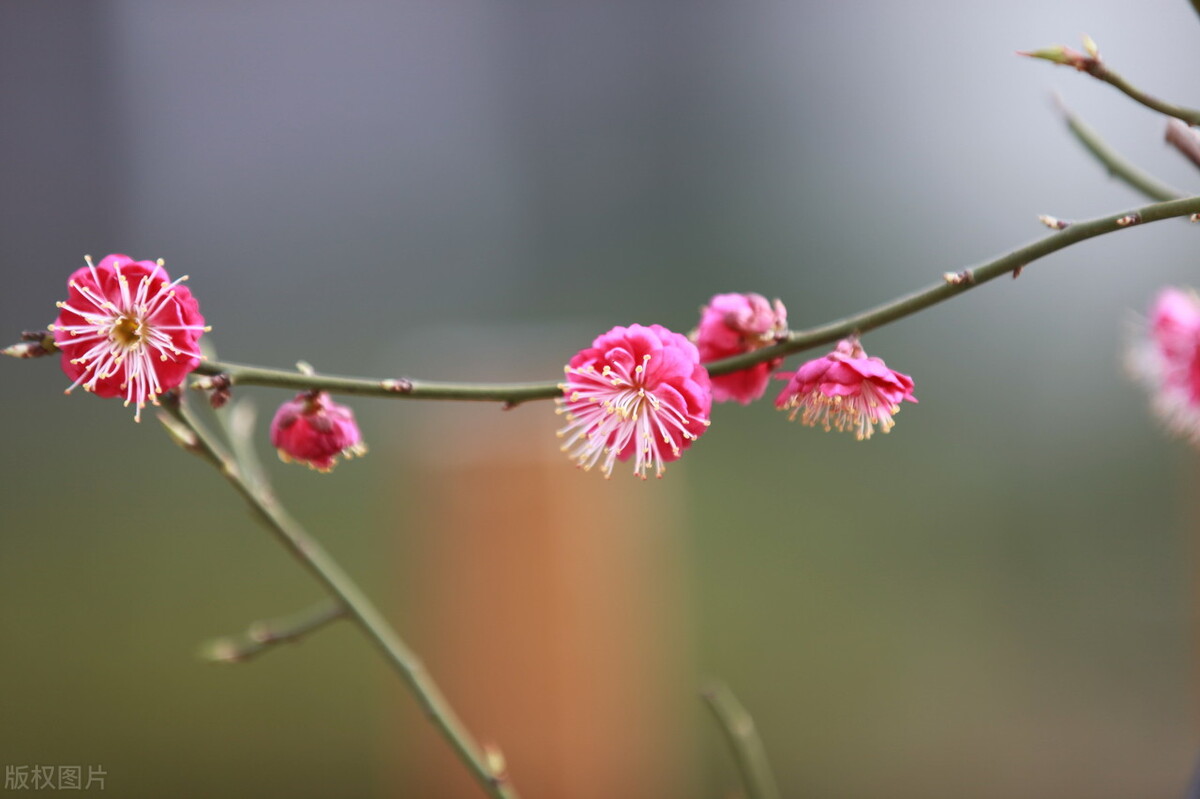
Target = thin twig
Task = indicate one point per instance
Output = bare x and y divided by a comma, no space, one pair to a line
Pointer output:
797,341
237,420
1184,139
329,574
396,388
744,741
1092,64
1117,166
267,633
1189,115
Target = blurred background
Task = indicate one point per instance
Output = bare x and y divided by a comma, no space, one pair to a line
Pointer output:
996,600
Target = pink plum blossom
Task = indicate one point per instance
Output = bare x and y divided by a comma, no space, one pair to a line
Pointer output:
1168,360
637,392
845,390
314,430
733,324
126,329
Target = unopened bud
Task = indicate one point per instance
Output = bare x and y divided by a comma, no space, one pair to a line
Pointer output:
493,758
400,385
220,385
959,278
1089,45
1061,54
1053,222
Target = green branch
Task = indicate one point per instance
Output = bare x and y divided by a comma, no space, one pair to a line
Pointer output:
1189,115
513,393
1117,166
951,285
187,431
1091,63
744,741
263,635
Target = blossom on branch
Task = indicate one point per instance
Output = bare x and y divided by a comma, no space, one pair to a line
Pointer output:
314,430
734,324
847,391
126,329
637,392
1167,360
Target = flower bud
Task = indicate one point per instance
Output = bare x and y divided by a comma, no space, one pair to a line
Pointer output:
313,429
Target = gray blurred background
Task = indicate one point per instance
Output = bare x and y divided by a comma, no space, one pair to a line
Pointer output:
996,600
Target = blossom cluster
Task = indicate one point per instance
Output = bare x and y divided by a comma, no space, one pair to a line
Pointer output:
644,393
127,330
639,393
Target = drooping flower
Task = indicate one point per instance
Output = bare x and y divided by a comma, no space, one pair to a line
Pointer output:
638,392
127,329
845,390
733,324
1167,359
314,430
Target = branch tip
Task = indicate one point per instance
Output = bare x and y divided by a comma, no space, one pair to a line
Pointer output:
221,650
496,764
33,344
1183,139
743,739
1091,63
265,634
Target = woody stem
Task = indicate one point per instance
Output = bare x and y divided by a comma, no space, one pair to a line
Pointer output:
288,532
796,340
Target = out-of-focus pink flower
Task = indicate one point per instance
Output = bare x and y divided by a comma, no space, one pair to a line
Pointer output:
314,430
126,329
637,392
846,391
1168,360
733,324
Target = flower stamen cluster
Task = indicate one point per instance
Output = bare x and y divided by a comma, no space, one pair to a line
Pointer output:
127,329
845,391
637,392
